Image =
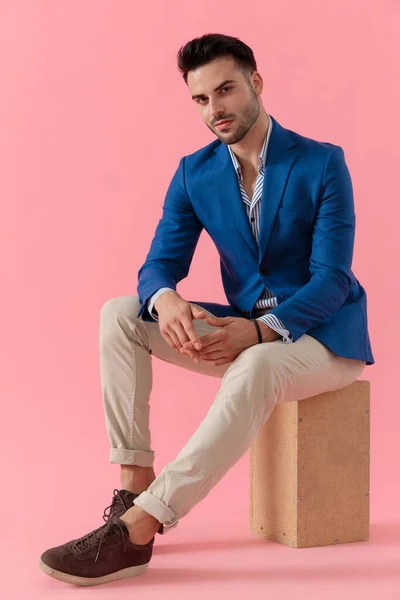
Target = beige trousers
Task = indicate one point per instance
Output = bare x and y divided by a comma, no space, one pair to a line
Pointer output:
251,385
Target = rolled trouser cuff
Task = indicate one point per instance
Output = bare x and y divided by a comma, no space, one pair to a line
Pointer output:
125,456
157,509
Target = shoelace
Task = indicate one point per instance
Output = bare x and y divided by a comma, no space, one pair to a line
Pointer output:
97,536
118,499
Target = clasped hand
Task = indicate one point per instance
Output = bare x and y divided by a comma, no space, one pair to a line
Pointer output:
234,334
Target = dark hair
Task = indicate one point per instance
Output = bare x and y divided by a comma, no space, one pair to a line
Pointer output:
203,50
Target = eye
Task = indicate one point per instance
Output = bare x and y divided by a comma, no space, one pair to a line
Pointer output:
228,87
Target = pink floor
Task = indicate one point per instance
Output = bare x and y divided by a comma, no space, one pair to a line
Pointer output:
211,552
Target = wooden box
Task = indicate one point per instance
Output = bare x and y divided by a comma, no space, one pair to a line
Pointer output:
310,470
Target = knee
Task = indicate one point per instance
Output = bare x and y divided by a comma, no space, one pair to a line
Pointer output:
261,363
115,307
259,358
115,312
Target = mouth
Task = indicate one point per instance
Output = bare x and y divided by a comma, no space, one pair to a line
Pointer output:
224,123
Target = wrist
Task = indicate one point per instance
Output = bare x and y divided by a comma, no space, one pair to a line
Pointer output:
163,295
257,331
267,332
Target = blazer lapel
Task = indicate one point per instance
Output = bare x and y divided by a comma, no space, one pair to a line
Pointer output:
281,154
280,157
226,188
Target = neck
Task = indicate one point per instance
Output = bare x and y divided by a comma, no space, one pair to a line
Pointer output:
248,149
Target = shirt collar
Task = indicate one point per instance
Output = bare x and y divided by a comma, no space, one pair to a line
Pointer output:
262,157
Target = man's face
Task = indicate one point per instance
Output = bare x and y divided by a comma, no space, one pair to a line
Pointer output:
236,100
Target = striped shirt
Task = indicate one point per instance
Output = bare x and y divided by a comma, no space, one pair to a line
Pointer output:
267,300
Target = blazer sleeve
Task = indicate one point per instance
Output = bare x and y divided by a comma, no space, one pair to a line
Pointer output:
174,242
150,305
331,252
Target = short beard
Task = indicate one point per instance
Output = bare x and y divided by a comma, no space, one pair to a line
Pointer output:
251,115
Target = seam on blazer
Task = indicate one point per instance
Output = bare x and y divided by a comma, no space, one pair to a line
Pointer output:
184,177
325,167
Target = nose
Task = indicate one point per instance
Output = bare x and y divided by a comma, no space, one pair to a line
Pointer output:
216,113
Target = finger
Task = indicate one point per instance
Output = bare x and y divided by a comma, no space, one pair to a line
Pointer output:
169,340
189,345
211,338
214,355
192,355
206,348
212,349
181,333
173,336
198,314
216,362
216,337
191,333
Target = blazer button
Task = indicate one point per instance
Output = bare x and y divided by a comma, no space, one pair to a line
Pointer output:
264,271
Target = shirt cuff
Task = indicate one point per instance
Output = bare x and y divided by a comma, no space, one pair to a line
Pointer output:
153,298
276,324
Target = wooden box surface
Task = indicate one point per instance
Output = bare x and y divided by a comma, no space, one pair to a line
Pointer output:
310,470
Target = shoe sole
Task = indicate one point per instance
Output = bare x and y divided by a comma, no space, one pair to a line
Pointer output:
123,574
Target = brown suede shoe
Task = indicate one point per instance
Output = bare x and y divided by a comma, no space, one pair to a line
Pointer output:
103,555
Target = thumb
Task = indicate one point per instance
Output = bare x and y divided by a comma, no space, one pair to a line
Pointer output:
197,313
216,320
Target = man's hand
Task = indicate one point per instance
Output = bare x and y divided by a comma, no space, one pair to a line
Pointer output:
175,317
234,335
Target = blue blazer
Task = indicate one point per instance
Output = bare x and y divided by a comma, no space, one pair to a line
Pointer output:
305,249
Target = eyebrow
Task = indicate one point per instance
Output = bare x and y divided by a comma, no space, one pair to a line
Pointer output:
221,85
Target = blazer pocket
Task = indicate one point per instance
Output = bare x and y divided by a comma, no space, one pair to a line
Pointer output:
295,208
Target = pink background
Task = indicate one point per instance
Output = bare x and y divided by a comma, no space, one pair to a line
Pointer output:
94,118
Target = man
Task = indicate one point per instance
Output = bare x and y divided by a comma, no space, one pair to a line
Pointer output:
279,208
